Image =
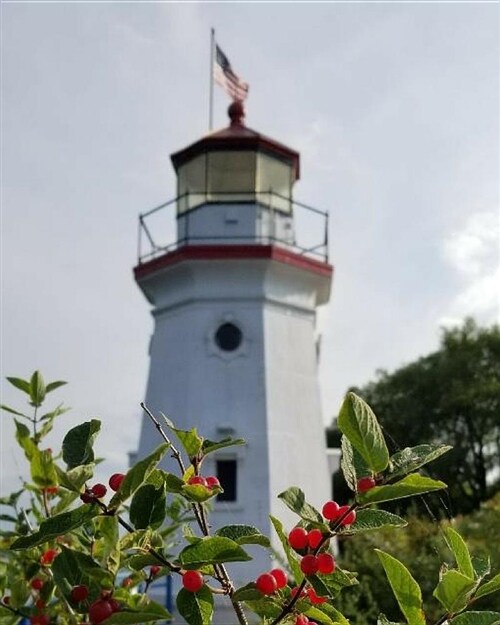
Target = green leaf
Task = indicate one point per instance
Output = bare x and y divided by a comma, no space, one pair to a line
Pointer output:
383,620
56,526
23,437
173,484
413,484
212,550
405,588
137,475
313,612
248,592
75,568
331,585
358,423
347,463
61,409
486,589
146,611
244,535
12,411
454,590
147,507
477,618
75,478
141,561
319,612
460,551
412,458
77,444
482,567
210,446
106,542
267,608
294,498
51,386
22,385
198,492
371,519
43,471
196,607
37,389
290,554
190,439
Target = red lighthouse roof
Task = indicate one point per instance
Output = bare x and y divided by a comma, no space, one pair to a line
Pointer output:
237,136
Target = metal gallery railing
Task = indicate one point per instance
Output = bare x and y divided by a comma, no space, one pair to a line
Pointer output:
310,228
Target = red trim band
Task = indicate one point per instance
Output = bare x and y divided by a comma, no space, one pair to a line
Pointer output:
233,252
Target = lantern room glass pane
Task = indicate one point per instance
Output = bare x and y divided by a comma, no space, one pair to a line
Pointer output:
274,179
231,175
192,180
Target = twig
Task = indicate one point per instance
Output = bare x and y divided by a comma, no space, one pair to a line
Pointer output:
220,572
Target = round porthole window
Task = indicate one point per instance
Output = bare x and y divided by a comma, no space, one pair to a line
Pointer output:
228,337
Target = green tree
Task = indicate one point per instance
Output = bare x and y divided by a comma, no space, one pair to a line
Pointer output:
451,395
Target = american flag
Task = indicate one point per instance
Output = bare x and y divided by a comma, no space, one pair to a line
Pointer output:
224,76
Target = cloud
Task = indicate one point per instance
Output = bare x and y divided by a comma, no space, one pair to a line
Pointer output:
473,252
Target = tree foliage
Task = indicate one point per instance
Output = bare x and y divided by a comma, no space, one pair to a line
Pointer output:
452,396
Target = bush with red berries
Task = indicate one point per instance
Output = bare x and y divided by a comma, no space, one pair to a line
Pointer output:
88,552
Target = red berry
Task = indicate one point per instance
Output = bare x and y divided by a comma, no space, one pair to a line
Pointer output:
314,598
326,563
192,581
212,481
280,576
87,497
40,619
115,481
309,565
298,538
37,583
295,590
314,538
128,581
79,593
6,600
99,490
267,584
115,606
51,490
301,620
330,510
154,570
349,518
99,611
48,557
197,479
365,483
39,604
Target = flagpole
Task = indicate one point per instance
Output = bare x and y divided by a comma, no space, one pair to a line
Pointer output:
211,97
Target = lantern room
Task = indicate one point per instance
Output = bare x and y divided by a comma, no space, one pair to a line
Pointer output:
235,184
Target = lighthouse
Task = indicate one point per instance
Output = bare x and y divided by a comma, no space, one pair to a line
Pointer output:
234,297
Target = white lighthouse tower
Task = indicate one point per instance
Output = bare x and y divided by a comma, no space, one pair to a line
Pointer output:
234,349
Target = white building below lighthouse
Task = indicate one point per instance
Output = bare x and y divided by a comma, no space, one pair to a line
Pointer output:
234,301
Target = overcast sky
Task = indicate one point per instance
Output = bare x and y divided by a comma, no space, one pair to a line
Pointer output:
393,107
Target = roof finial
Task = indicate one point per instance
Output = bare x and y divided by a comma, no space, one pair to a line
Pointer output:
236,112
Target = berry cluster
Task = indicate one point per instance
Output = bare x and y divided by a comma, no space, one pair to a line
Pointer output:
209,482
91,495
269,583
192,581
333,512
103,608
98,491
